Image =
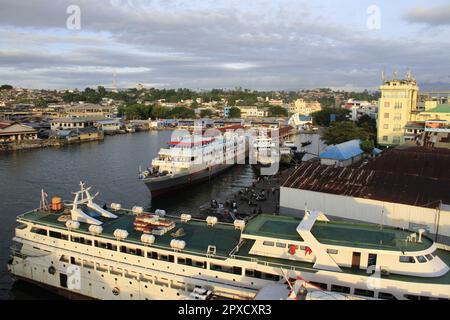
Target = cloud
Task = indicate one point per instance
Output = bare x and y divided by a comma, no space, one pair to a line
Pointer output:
437,16
197,44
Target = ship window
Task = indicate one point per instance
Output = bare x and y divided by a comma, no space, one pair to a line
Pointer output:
58,235
105,245
321,285
342,289
386,296
332,251
163,257
412,297
81,240
200,264
421,259
63,280
152,255
407,259
234,270
281,245
363,292
39,231
269,276
268,243
429,257
249,273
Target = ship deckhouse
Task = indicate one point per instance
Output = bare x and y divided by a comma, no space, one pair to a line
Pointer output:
339,246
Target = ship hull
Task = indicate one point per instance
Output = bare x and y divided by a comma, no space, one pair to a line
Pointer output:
55,290
164,185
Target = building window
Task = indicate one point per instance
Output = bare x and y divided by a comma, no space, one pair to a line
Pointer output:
386,115
386,104
268,243
396,140
385,138
332,251
281,245
386,126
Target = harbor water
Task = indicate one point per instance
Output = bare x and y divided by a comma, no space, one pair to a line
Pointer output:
111,168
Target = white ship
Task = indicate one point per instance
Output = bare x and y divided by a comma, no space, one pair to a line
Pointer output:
81,250
193,159
265,154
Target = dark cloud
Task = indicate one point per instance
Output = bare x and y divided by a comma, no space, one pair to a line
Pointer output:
268,45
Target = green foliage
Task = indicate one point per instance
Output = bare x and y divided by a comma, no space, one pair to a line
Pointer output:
181,113
363,96
6,87
88,95
159,112
322,117
367,146
327,102
40,103
277,111
368,124
234,112
138,111
340,132
101,91
206,113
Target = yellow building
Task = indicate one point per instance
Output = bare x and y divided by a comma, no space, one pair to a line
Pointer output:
305,108
89,110
253,112
397,105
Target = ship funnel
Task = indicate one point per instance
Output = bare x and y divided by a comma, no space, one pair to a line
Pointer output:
421,232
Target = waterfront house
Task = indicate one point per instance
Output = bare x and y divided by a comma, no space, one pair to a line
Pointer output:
16,132
74,123
90,134
110,125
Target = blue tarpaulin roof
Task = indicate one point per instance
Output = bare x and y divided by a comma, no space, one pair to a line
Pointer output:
343,151
376,151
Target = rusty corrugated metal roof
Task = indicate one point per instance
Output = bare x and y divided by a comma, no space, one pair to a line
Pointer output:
414,176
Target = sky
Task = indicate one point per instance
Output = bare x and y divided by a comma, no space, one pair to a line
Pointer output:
258,44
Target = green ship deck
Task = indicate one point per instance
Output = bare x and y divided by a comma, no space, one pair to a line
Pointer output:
225,237
198,235
337,233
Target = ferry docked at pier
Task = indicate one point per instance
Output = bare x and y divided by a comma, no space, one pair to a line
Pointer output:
192,159
82,250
